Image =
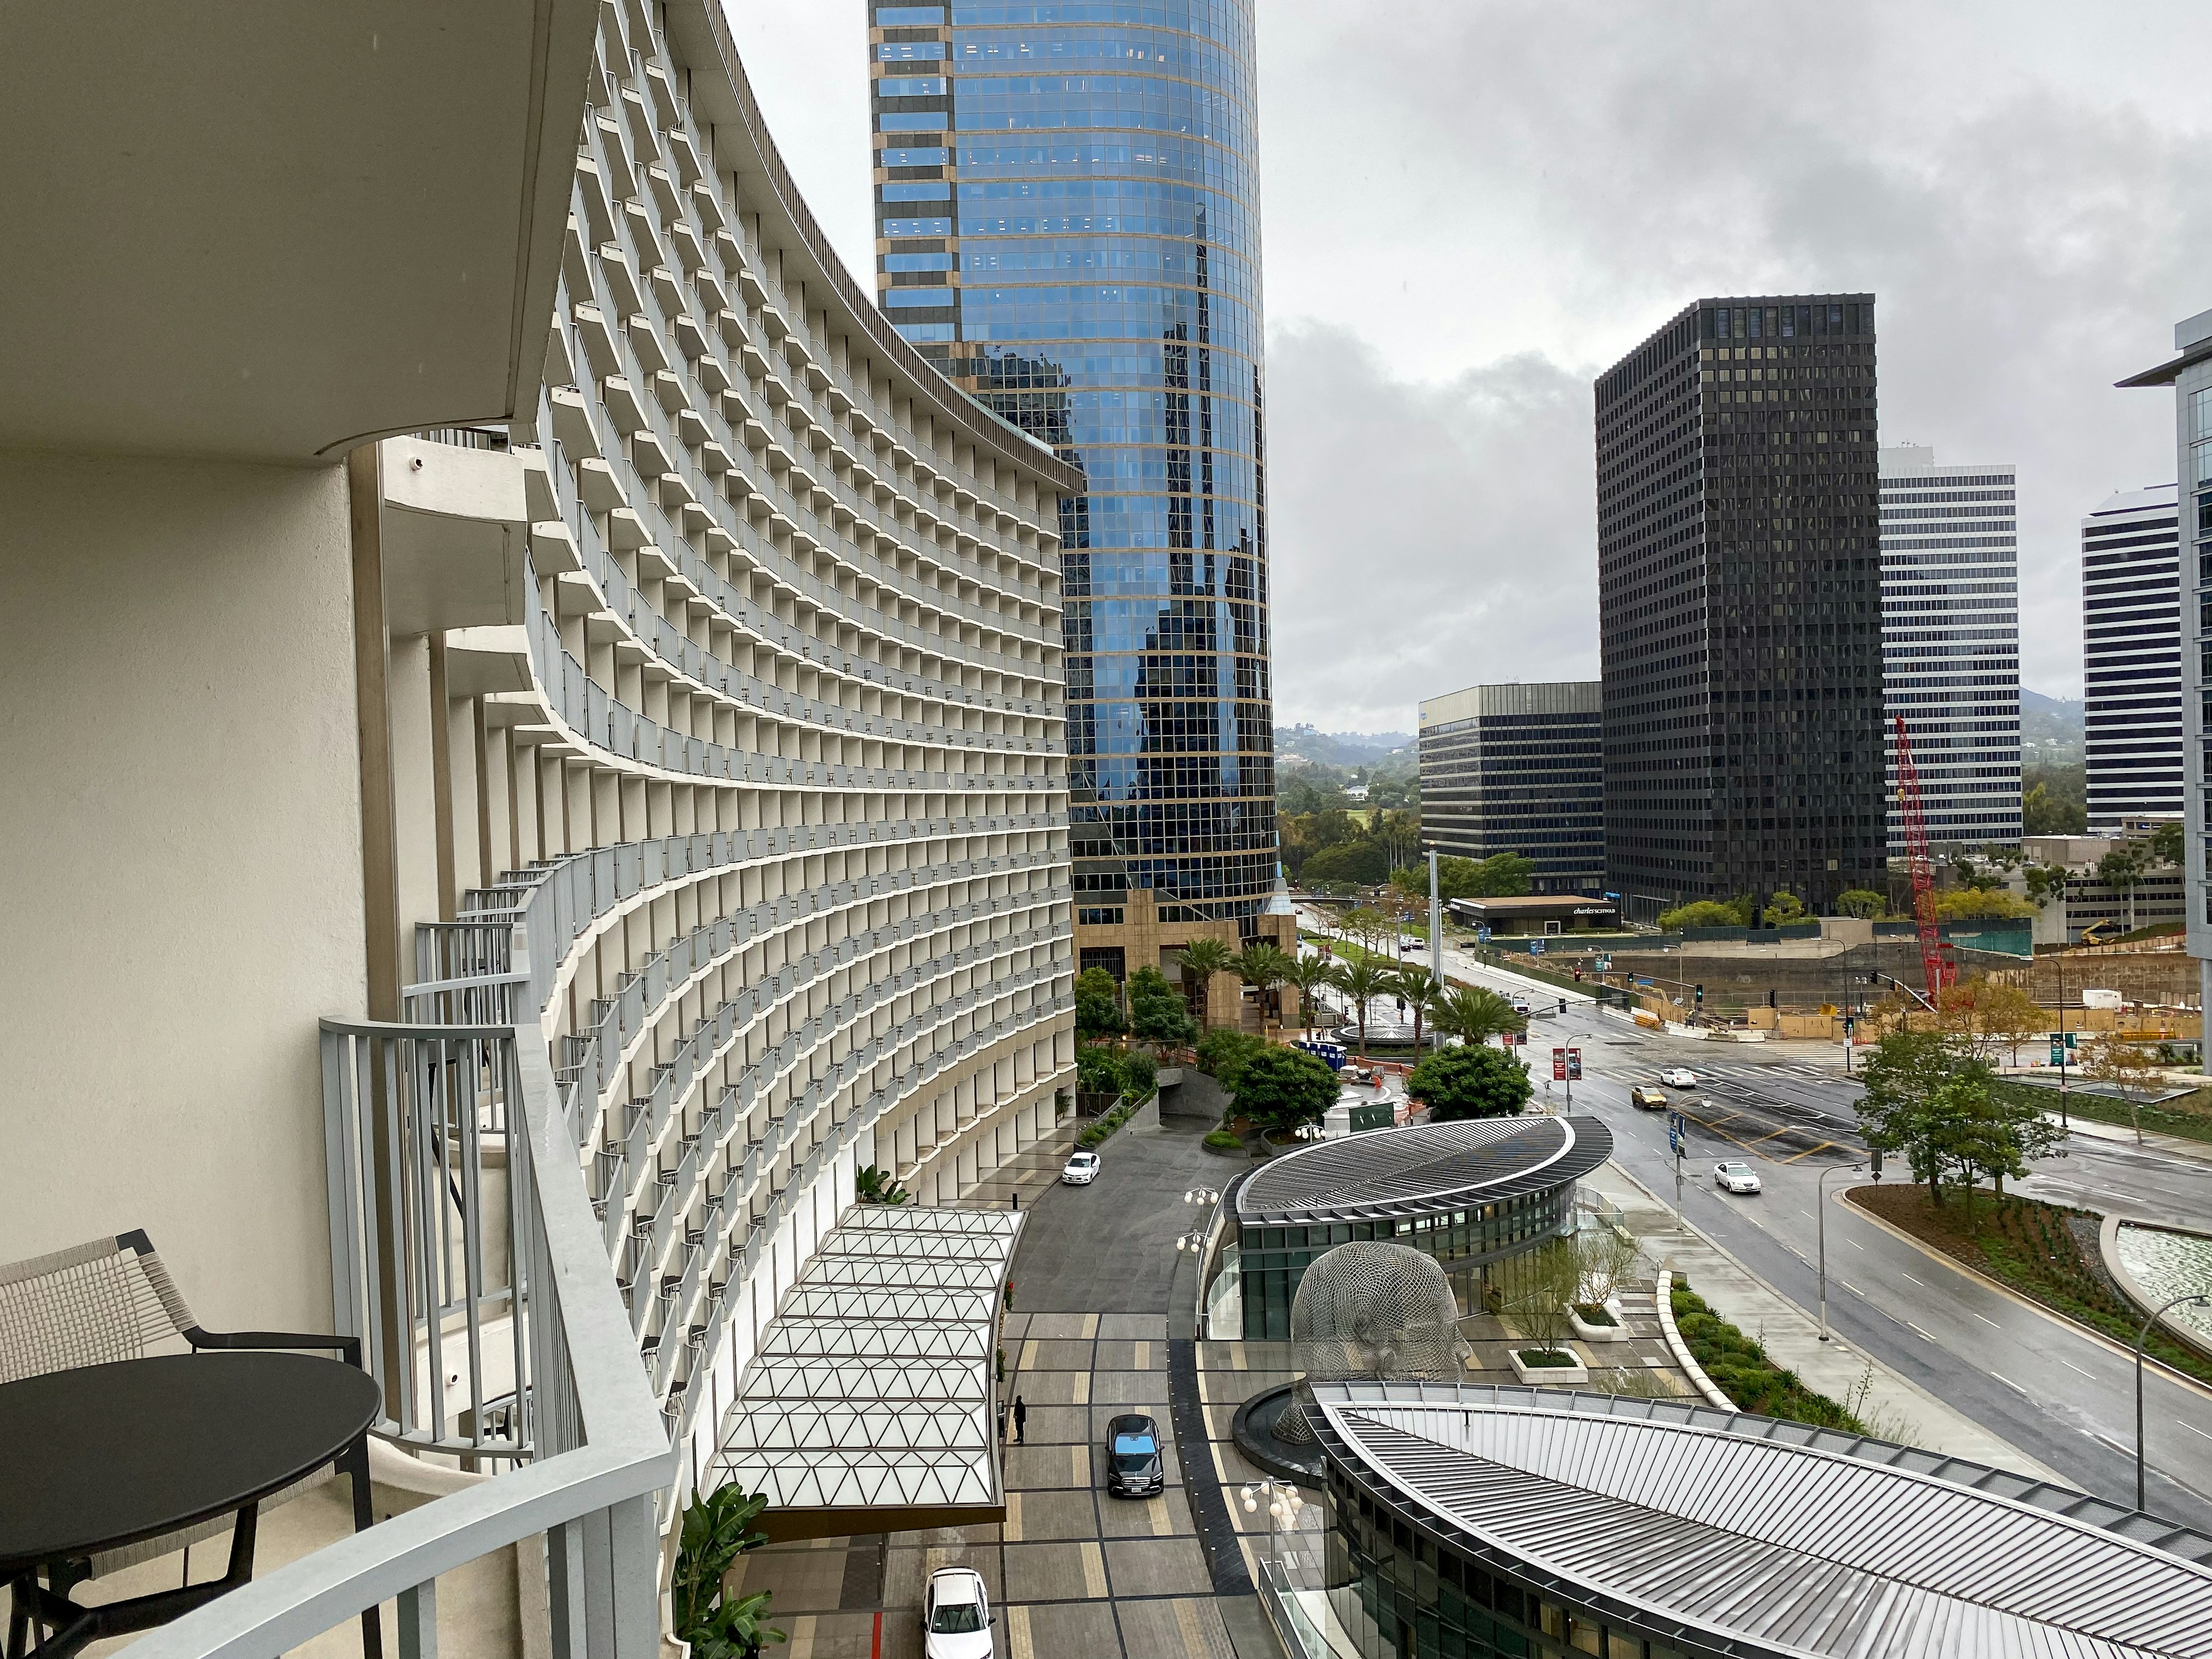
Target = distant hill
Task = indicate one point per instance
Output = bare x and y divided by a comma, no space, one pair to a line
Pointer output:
2050,730
1344,748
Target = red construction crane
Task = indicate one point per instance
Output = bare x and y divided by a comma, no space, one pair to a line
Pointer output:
1923,876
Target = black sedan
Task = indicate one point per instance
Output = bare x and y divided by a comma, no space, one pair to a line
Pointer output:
1134,1465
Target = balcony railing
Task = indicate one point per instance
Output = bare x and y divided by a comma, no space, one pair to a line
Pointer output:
417,1117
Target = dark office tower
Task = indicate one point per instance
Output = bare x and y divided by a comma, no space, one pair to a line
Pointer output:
1067,223
2131,667
1740,605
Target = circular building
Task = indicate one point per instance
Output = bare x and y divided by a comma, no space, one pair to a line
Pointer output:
1467,1194
1480,1520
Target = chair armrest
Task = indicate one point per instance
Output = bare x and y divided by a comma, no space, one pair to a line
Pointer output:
347,1346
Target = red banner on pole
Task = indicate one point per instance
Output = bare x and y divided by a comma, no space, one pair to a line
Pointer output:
1558,1064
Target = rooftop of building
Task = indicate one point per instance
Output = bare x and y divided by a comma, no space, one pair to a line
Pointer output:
1537,697
1422,1168
1767,1537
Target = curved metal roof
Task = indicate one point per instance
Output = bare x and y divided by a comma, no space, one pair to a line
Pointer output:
1758,1537
1422,1167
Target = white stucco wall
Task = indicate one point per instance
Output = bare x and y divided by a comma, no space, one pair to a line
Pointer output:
181,834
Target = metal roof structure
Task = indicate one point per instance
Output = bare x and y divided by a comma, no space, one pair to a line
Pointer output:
1421,1168
872,1388
1745,1535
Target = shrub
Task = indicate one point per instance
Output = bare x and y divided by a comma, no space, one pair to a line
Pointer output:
1469,1082
1141,1071
1101,1070
717,1530
1703,913
1280,1089
1225,1052
1222,1139
1740,1369
1157,1011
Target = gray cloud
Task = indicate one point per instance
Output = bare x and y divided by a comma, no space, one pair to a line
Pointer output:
1425,536
1559,180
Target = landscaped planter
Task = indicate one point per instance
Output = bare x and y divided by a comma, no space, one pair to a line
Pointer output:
1615,1332
1549,1377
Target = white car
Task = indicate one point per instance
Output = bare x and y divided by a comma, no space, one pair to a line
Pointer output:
1735,1177
1679,1077
1520,1002
1082,1169
956,1616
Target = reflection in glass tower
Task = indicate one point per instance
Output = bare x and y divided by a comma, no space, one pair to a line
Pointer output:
1069,224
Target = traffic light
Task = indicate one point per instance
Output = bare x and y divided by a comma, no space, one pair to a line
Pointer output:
1562,1004
1700,991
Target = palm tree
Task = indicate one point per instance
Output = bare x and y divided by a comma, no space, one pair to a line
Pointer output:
1364,979
1310,974
1262,966
1475,1015
1414,988
1201,959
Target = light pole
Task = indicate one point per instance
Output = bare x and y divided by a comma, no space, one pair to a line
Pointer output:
1283,1503
2142,1337
1195,1240
1820,1226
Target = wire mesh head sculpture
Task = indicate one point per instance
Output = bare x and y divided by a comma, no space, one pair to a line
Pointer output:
1369,1311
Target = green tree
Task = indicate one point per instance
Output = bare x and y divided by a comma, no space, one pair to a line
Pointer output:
1362,980
1362,861
1099,1004
1201,959
1100,1069
1907,1108
2123,870
1474,1014
1860,902
1982,904
1281,1088
1158,1013
2168,843
1263,967
1699,913
717,1530
2046,882
1310,974
2054,799
2113,1059
1464,1083
1782,910
1224,1053
1417,990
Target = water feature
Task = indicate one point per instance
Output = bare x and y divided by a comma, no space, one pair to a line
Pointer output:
2165,1264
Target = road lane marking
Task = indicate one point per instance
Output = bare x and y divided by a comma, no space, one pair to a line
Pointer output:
1848,1286
1924,1334
2009,1383
1987,1320
1854,1244
2071,1366
2193,1429
1903,1275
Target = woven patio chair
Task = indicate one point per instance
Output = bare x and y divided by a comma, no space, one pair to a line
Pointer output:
113,1299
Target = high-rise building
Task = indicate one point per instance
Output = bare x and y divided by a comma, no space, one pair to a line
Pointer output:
2189,374
1740,605
1067,207
487,894
1950,623
2131,670
1518,769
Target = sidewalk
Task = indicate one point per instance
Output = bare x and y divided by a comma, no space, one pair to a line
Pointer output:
1893,1407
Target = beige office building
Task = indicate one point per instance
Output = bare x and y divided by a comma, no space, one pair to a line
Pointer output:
534,728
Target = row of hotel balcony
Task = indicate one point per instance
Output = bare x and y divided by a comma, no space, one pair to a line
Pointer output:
666,746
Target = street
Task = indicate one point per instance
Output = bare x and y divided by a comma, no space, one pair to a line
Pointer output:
2054,1392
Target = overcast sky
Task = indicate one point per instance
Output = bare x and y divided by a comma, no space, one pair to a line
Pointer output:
1472,209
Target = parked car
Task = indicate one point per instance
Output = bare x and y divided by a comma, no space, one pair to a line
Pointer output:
1081,1169
1647,1098
1735,1177
1679,1077
956,1616
1135,1465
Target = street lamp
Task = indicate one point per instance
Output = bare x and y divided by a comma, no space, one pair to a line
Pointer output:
2142,1337
1821,1222
1195,1240
1283,1502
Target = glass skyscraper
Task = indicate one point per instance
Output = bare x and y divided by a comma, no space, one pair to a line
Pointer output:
1067,207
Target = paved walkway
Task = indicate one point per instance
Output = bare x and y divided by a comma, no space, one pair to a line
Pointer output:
1073,1573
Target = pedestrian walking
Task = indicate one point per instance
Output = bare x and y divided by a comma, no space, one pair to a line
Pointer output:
1021,1421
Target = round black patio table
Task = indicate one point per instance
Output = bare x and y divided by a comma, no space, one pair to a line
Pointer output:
99,1457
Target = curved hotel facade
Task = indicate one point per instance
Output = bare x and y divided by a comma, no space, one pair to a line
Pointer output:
1068,223
558,849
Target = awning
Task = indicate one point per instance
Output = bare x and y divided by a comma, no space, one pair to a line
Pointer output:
870,1405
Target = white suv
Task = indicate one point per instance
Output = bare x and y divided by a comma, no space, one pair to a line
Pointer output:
956,1616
